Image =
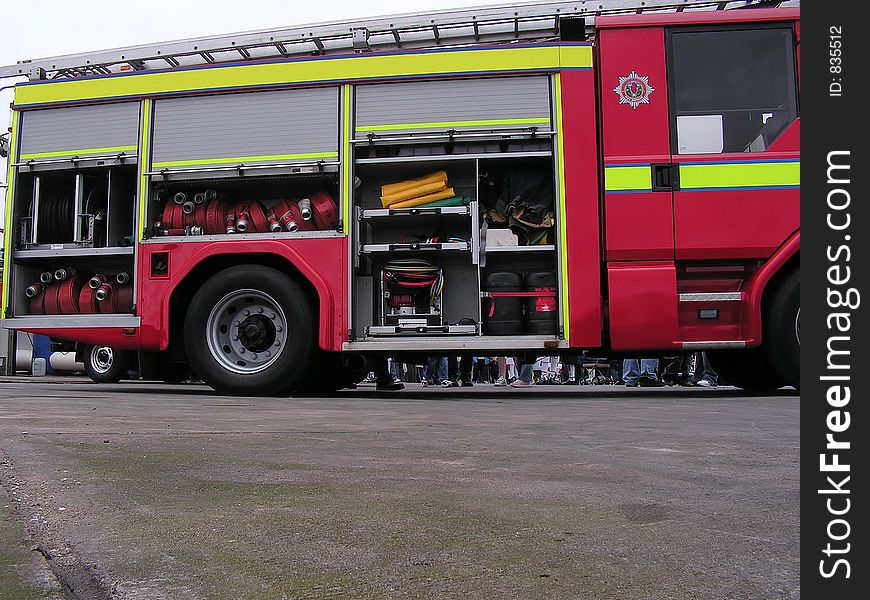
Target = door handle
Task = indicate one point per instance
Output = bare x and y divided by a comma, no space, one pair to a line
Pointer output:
665,177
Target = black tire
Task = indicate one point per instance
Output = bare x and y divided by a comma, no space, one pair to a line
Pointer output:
249,331
331,371
781,335
159,366
747,369
176,373
106,365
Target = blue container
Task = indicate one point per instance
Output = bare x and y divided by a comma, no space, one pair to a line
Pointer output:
42,349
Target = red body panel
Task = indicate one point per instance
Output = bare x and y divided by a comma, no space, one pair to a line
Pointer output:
96,336
733,225
638,225
720,17
320,260
643,305
581,206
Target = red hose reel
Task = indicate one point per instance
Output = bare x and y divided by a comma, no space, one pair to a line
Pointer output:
213,213
74,293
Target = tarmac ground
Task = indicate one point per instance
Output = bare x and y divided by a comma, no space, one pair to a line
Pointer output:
150,491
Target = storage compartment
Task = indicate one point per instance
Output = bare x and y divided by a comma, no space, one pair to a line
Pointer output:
89,207
73,285
226,206
431,293
520,294
493,242
517,194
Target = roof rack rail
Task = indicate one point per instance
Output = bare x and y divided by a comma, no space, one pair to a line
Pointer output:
489,24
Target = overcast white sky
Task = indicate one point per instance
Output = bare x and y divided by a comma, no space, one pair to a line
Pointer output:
55,27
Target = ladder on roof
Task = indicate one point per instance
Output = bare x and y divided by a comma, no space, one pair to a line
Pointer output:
509,23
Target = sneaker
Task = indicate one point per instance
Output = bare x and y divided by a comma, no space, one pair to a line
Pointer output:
519,383
706,383
446,383
631,384
390,386
465,383
424,382
647,381
500,382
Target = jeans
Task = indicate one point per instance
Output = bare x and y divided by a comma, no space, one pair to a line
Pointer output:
526,372
632,369
436,369
703,370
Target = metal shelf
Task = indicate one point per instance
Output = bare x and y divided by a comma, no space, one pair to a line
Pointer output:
70,321
447,157
535,248
496,343
416,247
71,252
375,213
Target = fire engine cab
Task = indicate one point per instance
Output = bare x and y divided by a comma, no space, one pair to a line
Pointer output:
273,207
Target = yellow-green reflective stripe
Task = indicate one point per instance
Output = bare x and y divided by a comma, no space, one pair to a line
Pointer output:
144,157
563,229
242,159
490,60
621,179
447,124
83,151
739,175
10,194
575,56
346,157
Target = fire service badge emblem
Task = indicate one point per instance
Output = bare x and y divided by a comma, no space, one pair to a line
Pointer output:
634,89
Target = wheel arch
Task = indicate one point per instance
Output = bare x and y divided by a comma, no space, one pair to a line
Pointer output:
767,279
316,291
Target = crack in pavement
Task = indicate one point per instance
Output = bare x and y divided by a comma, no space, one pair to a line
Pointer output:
75,579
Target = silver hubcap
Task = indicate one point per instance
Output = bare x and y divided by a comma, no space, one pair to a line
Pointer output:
246,331
797,326
102,358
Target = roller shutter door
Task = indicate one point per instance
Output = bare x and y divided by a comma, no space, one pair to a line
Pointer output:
250,128
80,131
460,104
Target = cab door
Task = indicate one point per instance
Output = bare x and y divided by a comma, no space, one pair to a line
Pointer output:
638,188
735,136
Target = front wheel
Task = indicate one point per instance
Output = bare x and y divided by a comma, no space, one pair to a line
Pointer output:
106,365
782,330
250,331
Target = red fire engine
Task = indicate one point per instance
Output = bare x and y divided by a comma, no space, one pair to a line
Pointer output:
533,179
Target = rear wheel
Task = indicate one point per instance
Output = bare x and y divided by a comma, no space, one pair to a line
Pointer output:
747,369
104,364
782,330
250,331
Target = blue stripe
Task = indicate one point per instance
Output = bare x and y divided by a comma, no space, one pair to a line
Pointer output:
272,61
742,189
628,165
282,85
741,162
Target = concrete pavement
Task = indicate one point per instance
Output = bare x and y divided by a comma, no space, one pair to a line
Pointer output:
143,490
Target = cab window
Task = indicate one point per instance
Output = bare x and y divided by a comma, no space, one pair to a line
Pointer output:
732,90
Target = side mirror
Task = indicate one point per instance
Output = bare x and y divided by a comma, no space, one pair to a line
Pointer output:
4,147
